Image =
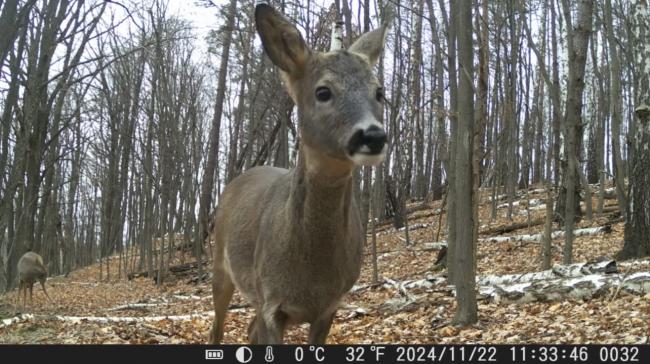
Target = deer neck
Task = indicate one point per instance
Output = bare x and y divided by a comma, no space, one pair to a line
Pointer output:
321,193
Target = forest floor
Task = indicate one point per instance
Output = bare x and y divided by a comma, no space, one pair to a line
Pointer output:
86,310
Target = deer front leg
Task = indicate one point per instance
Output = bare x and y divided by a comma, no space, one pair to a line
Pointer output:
253,332
45,291
20,289
319,329
271,323
31,294
222,290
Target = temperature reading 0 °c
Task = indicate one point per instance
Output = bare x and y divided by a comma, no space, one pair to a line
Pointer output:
318,353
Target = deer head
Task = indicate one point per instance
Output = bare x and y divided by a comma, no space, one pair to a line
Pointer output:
340,101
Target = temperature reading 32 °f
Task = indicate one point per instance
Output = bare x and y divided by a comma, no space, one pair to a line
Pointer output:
355,354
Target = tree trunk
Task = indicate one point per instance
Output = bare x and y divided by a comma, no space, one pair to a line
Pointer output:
616,102
419,184
548,226
481,117
452,30
555,96
441,135
208,181
464,240
637,226
578,42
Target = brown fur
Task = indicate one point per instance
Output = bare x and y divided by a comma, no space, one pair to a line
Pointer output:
30,269
291,240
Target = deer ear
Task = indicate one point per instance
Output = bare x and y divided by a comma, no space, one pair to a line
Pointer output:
281,40
371,44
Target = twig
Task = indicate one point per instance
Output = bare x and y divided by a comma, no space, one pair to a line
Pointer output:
620,285
441,325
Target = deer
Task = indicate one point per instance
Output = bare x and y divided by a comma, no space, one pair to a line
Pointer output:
291,240
30,269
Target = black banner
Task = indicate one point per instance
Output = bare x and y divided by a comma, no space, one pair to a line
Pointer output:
339,354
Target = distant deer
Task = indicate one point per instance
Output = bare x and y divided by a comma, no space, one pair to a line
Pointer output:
30,269
291,240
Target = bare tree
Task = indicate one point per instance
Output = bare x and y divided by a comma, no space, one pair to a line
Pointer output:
578,42
616,103
208,180
637,225
65,26
464,258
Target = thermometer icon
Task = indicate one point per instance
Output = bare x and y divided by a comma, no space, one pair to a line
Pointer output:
269,354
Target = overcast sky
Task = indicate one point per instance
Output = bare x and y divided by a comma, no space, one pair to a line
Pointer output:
203,19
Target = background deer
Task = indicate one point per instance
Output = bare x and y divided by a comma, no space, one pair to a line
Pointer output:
291,240
30,269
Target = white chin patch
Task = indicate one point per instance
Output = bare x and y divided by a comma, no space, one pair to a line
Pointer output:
367,159
362,158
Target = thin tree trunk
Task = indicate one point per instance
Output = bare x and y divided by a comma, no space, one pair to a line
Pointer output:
616,102
481,113
578,42
453,117
208,182
548,226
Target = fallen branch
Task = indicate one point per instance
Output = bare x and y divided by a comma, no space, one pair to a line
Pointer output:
637,263
527,238
92,284
534,238
81,319
188,298
433,246
191,297
498,198
531,202
575,281
401,304
579,288
499,230
606,209
135,306
557,272
177,270
402,287
356,311
361,288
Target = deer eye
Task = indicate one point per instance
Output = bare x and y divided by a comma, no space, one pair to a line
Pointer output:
379,94
323,94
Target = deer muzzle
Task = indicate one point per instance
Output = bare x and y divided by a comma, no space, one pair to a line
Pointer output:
367,145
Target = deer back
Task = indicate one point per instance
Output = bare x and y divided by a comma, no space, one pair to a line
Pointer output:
31,268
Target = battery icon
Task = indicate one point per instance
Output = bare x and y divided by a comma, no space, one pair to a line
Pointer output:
214,354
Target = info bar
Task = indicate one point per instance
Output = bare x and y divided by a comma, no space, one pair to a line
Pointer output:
318,354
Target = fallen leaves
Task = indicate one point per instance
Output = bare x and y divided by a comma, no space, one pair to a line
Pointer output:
449,331
375,313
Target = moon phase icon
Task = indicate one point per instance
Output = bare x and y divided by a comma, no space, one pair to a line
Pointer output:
244,354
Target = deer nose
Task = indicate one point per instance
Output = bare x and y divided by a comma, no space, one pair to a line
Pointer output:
374,138
368,141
